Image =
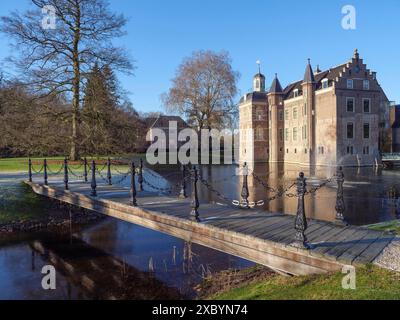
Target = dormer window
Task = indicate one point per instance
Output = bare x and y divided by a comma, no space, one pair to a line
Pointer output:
325,83
366,84
349,83
296,93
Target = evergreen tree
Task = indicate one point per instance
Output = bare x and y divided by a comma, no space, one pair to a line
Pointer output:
109,126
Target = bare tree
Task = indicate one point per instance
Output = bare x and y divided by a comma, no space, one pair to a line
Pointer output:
204,89
53,61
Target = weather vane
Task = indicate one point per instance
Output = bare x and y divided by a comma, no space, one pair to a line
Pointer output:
259,65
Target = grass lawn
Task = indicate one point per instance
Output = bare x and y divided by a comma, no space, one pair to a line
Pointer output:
392,226
54,163
371,283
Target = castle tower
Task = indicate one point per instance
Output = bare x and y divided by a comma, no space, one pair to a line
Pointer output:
308,87
259,83
253,113
275,101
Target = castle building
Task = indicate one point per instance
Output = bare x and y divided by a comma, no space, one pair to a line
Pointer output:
395,123
339,116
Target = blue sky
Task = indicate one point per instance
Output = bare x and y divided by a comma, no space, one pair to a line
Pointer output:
282,34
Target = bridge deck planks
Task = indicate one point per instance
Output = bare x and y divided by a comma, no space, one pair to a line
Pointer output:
367,256
327,240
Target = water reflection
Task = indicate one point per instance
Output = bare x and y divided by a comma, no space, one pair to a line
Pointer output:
174,262
365,190
98,275
111,260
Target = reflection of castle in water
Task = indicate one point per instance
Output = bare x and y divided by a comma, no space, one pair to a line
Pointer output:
363,196
99,275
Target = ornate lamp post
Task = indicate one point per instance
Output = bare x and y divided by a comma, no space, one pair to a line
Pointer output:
195,198
340,206
245,188
300,225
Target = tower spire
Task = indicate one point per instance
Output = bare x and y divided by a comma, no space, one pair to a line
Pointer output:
276,85
259,80
309,74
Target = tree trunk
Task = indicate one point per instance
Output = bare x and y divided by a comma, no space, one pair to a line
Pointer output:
74,152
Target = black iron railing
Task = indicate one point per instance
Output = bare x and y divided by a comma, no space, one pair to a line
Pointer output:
191,175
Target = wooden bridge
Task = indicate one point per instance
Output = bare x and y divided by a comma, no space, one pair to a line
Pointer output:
391,159
255,235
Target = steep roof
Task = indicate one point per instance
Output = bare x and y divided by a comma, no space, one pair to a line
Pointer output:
254,97
309,74
259,75
275,86
163,122
330,74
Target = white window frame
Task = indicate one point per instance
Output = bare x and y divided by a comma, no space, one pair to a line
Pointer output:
369,130
295,112
286,134
286,116
366,99
325,83
365,84
280,115
354,104
295,133
350,149
295,93
354,129
350,84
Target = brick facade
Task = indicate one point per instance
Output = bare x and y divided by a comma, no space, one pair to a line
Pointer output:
335,117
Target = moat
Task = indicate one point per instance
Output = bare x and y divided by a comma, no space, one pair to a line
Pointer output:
130,262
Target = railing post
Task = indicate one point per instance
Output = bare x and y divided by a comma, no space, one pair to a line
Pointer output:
109,177
300,240
45,172
66,173
245,188
93,184
30,170
133,185
182,193
85,169
340,207
195,198
140,176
